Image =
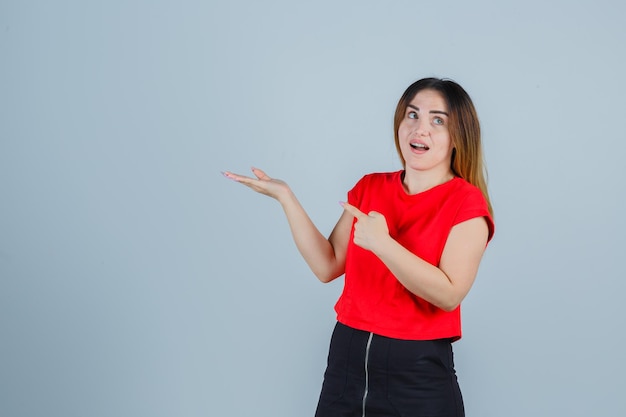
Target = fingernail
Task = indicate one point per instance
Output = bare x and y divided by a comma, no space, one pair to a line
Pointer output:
341,203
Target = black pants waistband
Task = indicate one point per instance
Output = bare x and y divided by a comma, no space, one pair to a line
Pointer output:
381,376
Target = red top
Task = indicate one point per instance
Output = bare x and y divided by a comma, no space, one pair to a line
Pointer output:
373,299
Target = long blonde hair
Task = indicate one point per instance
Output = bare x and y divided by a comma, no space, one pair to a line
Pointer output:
467,157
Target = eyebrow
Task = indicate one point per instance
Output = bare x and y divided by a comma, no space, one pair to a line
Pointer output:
432,111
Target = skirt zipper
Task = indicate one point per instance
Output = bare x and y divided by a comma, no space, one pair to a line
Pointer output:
367,355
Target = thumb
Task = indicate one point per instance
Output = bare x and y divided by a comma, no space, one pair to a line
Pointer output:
260,174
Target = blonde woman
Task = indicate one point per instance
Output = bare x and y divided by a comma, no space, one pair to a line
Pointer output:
409,243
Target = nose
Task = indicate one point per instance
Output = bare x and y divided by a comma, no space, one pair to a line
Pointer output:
421,128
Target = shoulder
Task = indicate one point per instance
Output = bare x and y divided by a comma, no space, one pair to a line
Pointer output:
464,187
459,191
374,182
470,203
379,178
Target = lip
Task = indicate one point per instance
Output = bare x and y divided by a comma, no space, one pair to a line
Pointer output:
418,151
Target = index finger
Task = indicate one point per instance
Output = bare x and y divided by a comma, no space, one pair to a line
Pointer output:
353,210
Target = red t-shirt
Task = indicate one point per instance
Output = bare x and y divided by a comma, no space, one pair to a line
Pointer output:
373,299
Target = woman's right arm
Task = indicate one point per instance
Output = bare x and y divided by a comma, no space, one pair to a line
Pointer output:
325,257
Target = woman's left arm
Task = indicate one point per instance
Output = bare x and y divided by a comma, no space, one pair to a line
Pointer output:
444,286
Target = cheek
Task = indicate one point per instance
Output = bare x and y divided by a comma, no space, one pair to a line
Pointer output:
445,140
403,131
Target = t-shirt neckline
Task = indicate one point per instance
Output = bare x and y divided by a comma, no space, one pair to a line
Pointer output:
405,194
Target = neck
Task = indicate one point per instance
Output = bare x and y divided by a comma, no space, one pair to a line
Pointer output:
415,182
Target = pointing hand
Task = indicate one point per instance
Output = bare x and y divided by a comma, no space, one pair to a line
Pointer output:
370,230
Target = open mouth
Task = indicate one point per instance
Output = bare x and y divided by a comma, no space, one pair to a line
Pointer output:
419,146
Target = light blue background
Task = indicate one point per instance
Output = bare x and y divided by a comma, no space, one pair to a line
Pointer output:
136,281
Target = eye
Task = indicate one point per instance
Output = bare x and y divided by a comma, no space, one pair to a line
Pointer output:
412,115
438,121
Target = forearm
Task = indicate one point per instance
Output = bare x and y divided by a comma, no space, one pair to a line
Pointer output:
325,257
418,276
316,249
444,285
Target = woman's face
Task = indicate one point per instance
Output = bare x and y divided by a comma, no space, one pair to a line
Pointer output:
423,133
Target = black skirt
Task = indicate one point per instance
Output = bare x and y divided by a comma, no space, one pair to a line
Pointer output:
374,376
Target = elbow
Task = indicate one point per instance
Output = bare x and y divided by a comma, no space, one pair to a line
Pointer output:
326,278
449,307
329,273
450,304
450,300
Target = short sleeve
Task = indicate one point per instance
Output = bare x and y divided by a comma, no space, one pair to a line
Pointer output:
355,195
475,205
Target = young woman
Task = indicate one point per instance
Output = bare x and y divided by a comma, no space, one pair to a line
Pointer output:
409,243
